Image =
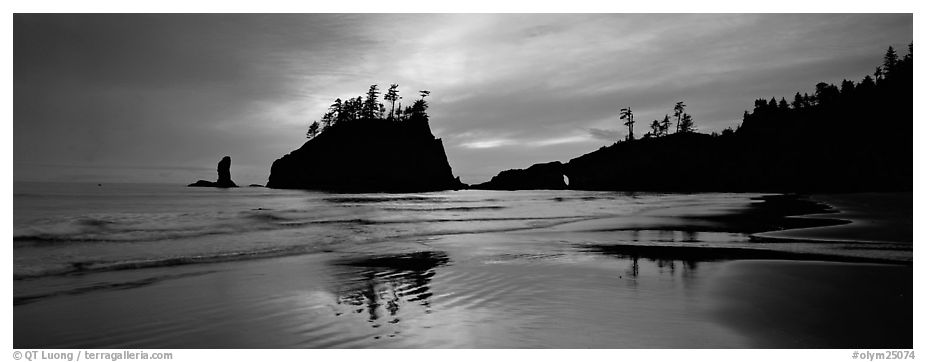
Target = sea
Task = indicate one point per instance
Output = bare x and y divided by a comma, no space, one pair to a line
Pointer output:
71,240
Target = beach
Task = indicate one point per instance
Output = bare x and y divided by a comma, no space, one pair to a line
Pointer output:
415,179
678,271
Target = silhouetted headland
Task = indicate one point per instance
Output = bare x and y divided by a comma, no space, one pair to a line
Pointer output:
360,147
854,137
542,176
224,181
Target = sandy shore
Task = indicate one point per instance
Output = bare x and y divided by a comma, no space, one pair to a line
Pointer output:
420,299
875,217
795,304
470,299
541,289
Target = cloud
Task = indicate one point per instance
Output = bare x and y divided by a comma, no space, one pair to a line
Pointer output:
488,143
559,141
605,134
509,90
503,142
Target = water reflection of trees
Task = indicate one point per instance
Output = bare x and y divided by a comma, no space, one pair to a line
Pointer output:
381,285
688,267
666,259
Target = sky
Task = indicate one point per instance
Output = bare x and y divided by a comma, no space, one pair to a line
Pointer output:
161,98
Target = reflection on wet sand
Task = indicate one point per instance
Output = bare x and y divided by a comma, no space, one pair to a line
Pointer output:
634,254
784,300
693,254
666,277
688,266
382,285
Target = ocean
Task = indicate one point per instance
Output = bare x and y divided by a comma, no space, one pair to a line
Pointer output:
380,254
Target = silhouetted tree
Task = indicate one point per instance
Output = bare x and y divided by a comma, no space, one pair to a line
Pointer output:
392,95
371,104
328,120
627,114
760,105
656,128
313,130
352,109
867,83
418,110
399,113
798,101
783,104
686,125
832,102
338,109
664,126
890,61
826,94
847,87
679,109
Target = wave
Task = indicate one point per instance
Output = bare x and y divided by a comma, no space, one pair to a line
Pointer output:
25,299
381,199
150,227
102,266
452,208
261,222
582,198
38,239
95,222
361,221
268,217
81,267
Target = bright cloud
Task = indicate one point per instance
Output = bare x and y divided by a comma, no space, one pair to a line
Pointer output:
508,90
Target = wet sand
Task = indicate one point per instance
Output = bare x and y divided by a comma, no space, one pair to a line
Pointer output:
468,298
419,299
792,304
570,286
875,217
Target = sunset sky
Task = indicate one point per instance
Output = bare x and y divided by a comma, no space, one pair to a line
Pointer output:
161,98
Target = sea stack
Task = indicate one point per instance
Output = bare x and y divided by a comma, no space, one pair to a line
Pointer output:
360,145
368,155
224,171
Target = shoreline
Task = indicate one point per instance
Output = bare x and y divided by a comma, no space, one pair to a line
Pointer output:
872,217
803,218
451,302
514,289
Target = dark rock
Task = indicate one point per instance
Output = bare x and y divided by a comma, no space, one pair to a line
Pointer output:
541,176
224,181
824,145
224,169
685,162
368,155
202,183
